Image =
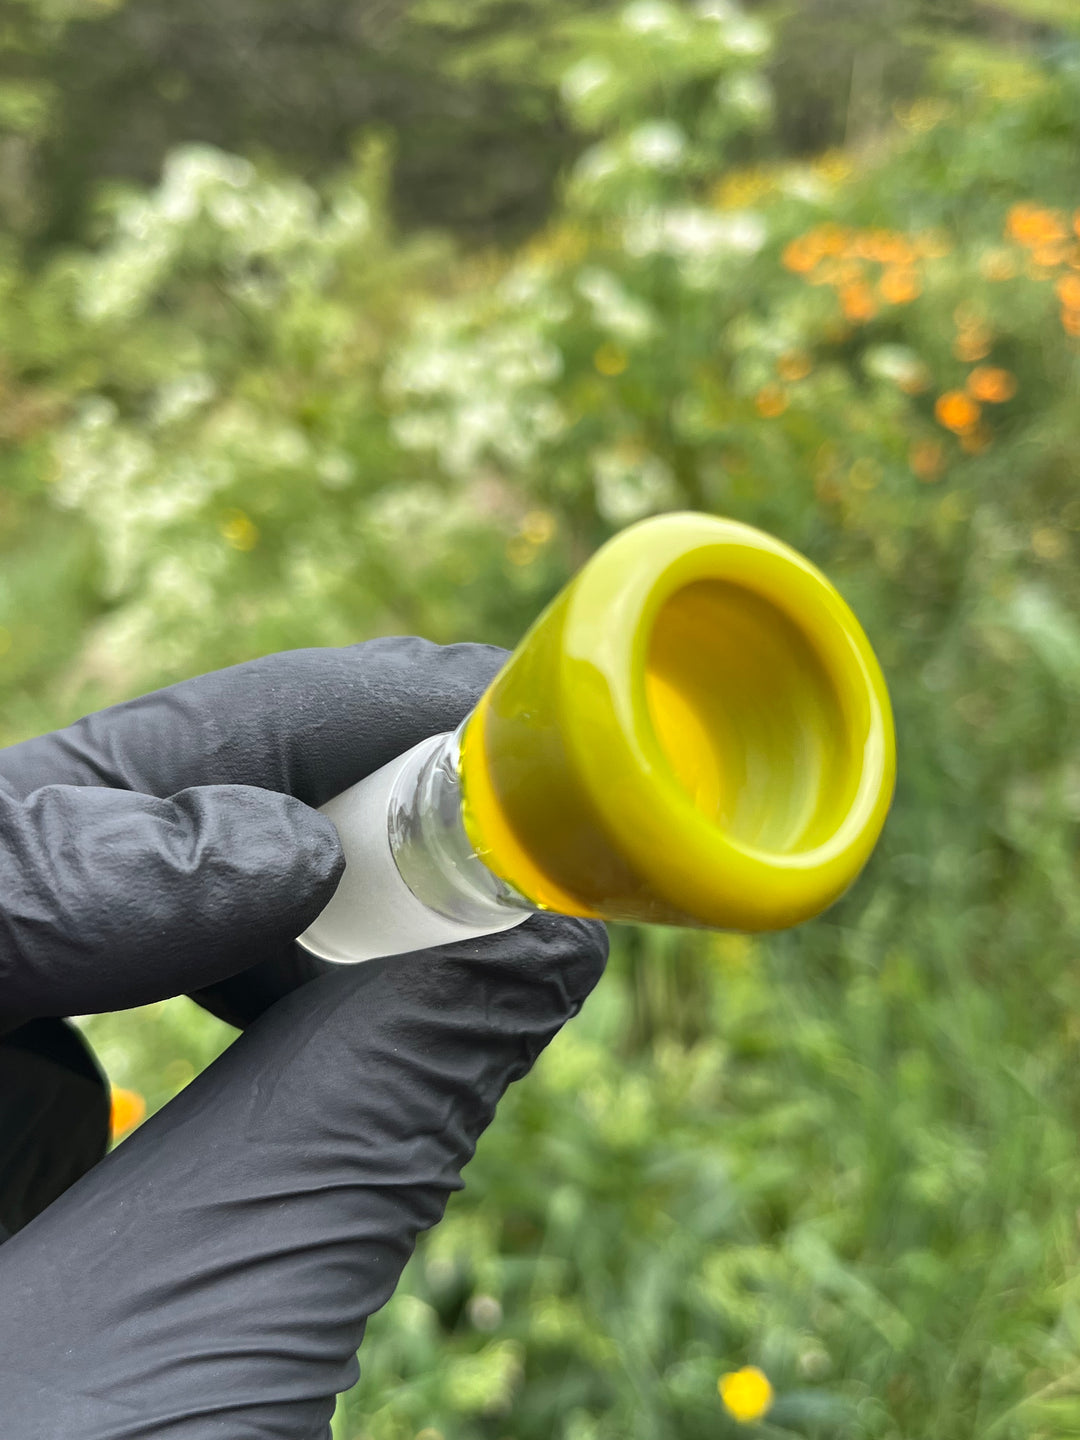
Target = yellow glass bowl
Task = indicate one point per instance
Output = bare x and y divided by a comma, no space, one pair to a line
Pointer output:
695,732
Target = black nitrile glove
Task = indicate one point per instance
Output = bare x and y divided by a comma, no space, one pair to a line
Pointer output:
213,1275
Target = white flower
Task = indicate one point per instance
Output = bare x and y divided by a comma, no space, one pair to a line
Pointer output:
335,470
896,363
691,232
803,184
191,172
614,308
597,164
721,10
179,397
745,36
646,17
485,1312
748,95
349,220
657,144
582,79
629,488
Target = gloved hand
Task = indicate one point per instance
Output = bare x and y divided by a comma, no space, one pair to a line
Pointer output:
213,1275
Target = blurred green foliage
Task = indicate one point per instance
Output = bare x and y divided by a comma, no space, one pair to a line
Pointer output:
259,414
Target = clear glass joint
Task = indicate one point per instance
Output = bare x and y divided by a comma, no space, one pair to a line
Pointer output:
430,846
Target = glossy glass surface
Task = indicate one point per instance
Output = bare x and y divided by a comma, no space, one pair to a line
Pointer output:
696,731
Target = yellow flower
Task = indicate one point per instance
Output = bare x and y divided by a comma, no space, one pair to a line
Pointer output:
741,188
239,530
610,360
795,365
921,115
746,1393
957,411
835,167
126,1109
562,245
770,402
538,527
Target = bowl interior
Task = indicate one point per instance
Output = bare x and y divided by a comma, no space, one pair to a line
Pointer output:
748,719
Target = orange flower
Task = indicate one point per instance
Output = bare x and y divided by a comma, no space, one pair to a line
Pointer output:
832,239
893,249
795,365
927,460
127,1108
770,401
801,255
857,302
838,273
900,284
957,411
1068,289
1055,252
1076,221
1070,322
972,344
975,441
991,384
1033,225
886,247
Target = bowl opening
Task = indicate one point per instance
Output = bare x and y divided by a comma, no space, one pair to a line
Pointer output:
748,719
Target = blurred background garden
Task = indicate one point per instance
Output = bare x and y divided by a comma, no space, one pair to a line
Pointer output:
326,319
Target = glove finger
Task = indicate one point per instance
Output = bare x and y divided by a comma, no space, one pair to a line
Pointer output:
243,1235
110,899
265,979
308,723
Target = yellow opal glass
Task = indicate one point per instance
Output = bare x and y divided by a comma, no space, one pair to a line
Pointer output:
695,732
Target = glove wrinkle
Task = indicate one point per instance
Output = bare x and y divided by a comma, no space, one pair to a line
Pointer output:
113,899
307,723
268,1210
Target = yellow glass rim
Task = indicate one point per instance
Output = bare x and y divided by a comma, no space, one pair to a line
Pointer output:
617,754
